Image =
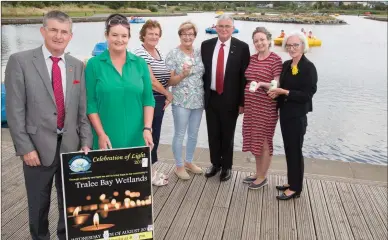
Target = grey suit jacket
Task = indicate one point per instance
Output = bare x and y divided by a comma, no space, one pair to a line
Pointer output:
31,109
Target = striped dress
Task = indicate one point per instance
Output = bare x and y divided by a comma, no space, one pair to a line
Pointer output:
158,66
260,114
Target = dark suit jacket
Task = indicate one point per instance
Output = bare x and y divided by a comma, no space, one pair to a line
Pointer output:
302,87
234,77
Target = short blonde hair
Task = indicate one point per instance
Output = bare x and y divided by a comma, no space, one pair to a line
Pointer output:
302,38
187,26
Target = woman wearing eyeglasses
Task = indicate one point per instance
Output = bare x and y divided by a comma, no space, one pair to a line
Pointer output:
120,104
187,68
150,34
298,84
260,114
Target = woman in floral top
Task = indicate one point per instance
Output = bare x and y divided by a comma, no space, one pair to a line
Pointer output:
188,97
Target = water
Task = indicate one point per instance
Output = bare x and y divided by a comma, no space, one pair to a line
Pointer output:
349,121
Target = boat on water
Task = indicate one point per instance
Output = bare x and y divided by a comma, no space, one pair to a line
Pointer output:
211,30
136,20
313,42
99,48
3,113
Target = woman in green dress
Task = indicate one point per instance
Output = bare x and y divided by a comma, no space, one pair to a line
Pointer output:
120,103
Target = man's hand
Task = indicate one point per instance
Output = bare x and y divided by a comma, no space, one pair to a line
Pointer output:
31,159
85,149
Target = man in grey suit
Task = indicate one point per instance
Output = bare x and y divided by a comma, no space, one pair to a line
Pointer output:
46,113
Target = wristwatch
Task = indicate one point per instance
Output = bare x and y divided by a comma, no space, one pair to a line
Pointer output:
147,128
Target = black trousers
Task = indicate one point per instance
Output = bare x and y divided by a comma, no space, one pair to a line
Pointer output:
39,181
157,125
293,131
221,125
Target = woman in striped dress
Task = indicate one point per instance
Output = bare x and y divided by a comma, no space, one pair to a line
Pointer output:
150,34
260,114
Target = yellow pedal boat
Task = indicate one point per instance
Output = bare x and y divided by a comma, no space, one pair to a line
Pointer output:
313,42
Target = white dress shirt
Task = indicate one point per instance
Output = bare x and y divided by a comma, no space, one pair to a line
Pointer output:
215,57
61,64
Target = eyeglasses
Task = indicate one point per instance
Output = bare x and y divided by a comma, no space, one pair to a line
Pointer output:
116,21
188,35
294,46
224,26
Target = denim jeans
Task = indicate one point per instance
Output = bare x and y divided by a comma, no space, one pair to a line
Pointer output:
157,125
185,119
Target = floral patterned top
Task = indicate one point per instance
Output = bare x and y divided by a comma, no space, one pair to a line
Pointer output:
189,92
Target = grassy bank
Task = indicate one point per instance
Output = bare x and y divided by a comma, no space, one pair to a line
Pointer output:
72,9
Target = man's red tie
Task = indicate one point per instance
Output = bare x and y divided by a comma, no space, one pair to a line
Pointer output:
220,70
58,92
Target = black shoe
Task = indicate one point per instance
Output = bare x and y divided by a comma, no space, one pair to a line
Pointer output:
282,187
285,197
212,171
226,174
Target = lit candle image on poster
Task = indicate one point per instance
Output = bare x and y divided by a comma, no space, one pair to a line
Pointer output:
104,190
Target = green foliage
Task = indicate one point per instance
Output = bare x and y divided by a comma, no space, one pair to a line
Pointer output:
208,7
115,5
177,9
153,8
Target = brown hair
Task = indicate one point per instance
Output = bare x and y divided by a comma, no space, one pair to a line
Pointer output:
265,31
148,25
186,26
116,20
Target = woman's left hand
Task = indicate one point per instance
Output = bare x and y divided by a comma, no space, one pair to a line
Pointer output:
274,93
148,139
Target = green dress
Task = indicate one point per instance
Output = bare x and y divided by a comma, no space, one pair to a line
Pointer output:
119,100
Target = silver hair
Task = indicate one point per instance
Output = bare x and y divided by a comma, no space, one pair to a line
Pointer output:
302,38
59,16
225,17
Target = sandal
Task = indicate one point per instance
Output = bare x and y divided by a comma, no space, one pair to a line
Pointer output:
161,175
158,181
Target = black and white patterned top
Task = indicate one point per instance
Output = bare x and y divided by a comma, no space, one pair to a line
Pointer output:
159,68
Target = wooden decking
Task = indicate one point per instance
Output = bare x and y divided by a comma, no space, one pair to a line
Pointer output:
200,208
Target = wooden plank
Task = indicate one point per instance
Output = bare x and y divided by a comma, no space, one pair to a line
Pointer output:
370,213
215,226
356,219
235,218
323,226
161,196
167,214
270,211
25,231
337,212
287,219
304,215
379,202
20,220
201,216
252,218
8,200
183,217
383,191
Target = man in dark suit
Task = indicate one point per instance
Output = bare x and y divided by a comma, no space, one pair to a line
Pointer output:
46,112
225,59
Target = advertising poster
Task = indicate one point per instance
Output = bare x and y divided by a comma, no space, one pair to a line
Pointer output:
107,194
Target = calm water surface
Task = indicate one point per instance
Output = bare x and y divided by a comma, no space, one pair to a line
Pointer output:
349,121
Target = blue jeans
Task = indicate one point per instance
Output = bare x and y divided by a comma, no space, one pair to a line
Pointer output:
185,119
